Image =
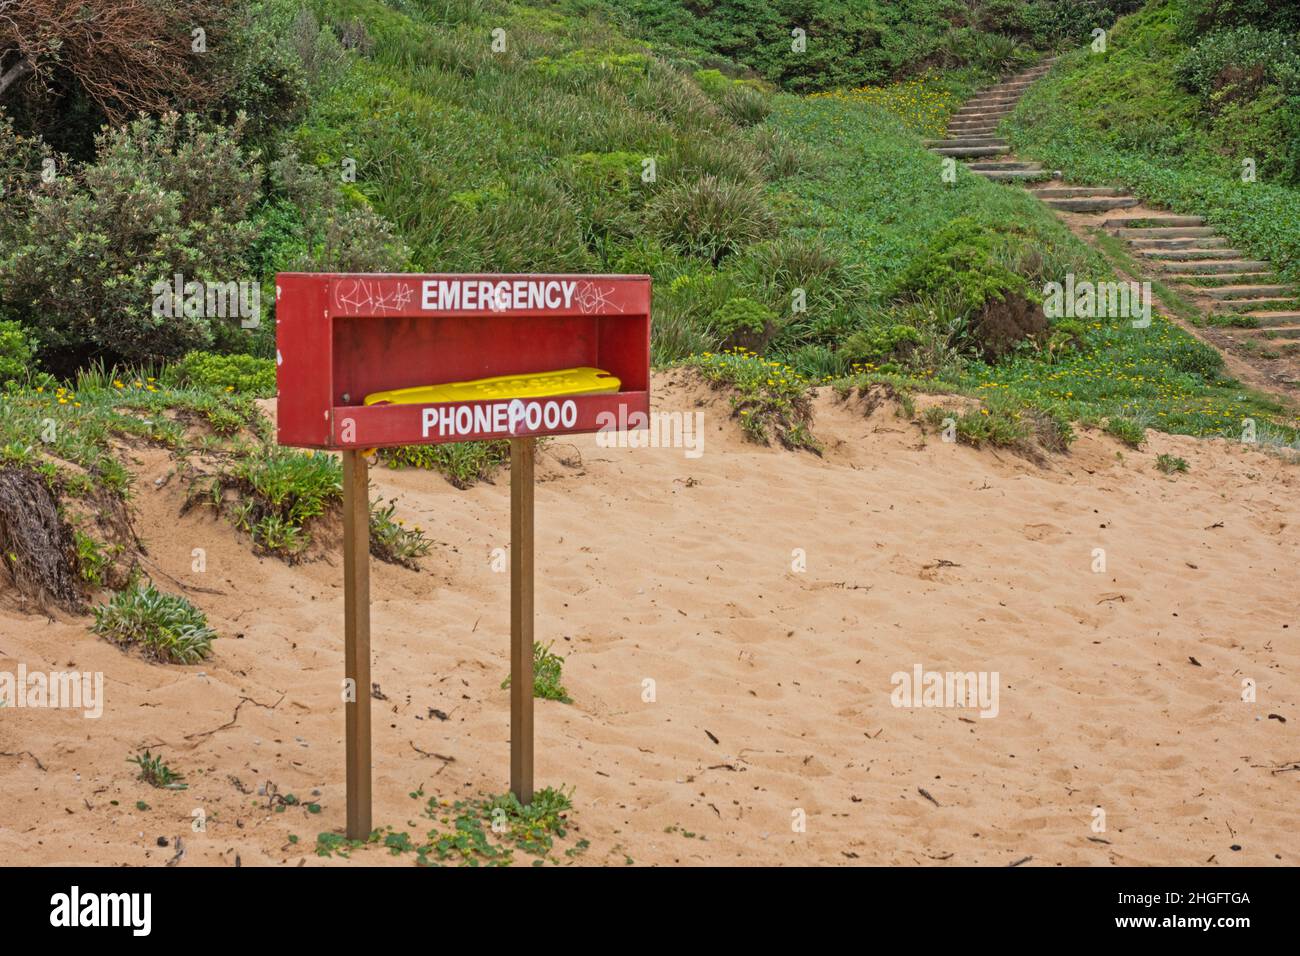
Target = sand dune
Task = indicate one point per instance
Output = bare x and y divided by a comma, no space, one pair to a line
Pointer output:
655,566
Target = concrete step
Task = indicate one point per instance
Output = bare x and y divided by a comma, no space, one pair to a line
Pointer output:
1199,284
982,114
1171,232
1196,242
1005,164
1266,320
957,128
1187,255
967,141
1286,332
972,150
1007,174
1214,267
1248,306
1076,192
1250,291
1159,219
1092,204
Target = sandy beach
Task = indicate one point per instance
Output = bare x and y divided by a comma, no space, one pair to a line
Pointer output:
771,737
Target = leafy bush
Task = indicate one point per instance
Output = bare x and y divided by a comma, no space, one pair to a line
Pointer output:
741,316
962,260
164,196
1194,356
710,218
341,232
166,627
880,343
1196,17
242,374
1243,55
15,352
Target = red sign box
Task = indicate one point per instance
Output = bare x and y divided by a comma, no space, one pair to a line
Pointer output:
340,338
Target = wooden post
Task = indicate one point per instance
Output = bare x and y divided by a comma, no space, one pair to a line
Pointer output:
521,618
356,636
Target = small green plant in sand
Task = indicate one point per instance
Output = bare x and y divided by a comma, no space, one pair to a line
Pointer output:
155,772
391,540
278,492
463,464
166,627
1171,464
483,831
547,672
767,397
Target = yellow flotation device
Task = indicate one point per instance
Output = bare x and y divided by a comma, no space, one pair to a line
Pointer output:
565,381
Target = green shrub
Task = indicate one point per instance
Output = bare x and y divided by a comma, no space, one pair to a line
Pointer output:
880,343
742,315
15,352
341,231
242,374
163,196
746,105
1244,54
963,260
710,218
166,627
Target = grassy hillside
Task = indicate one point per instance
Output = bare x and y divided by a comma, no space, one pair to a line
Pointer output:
795,240
852,42
1183,95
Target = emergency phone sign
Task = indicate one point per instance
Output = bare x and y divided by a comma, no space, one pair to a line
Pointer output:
366,361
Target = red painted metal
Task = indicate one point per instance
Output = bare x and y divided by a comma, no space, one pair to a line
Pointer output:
342,337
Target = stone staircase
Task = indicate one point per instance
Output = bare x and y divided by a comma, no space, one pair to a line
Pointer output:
1243,295
971,131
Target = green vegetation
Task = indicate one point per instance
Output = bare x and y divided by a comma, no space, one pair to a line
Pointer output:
767,397
1186,92
795,240
882,213
849,42
1003,423
1171,464
475,832
166,627
547,673
463,464
155,772
242,374
391,540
